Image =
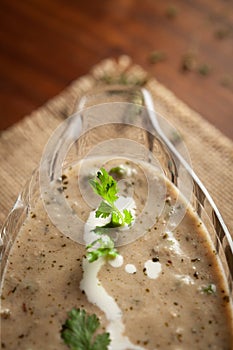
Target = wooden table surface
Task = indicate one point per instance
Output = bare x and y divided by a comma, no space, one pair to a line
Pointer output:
186,45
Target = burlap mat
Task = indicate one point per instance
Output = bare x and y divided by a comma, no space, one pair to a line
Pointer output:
211,152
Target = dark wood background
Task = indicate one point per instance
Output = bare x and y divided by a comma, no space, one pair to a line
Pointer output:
186,45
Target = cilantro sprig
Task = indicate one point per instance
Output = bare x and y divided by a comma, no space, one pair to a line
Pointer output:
106,187
79,330
105,248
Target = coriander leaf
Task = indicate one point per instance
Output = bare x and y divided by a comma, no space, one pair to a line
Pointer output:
78,332
128,216
100,230
105,186
105,248
104,210
101,342
117,219
109,253
209,289
93,255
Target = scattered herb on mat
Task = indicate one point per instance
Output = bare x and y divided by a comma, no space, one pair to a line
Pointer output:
189,62
171,11
204,69
157,56
222,33
78,332
227,81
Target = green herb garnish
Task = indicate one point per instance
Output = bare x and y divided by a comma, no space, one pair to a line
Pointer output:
106,248
209,289
106,187
78,332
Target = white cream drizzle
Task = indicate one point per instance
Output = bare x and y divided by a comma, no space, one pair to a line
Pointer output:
186,279
94,290
117,262
130,268
96,293
153,269
175,246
